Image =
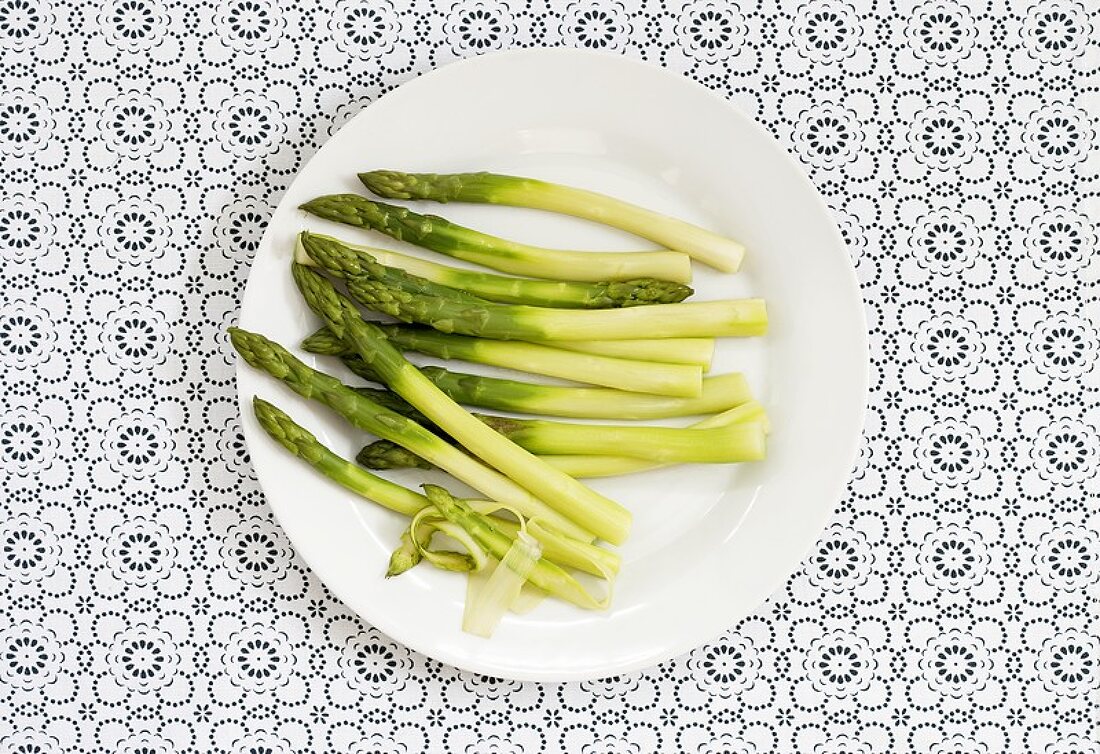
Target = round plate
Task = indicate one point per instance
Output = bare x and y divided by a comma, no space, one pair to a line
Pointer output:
709,543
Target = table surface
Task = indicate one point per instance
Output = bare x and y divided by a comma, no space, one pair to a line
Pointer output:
150,603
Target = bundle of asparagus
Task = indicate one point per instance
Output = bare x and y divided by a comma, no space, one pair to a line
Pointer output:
615,321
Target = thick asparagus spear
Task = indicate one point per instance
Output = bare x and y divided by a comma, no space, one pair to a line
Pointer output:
718,393
303,444
682,380
314,248
711,248
751,427
698,351
727,443
368,416
587,508
445,237
705,319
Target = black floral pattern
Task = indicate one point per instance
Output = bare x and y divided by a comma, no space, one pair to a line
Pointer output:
151,605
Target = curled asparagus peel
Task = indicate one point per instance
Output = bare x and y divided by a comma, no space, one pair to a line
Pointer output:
708,247
545,575
368,416
445,237
303,444
717,393
705,319
338,257
588,509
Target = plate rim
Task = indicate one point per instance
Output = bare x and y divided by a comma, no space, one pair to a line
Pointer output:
673,648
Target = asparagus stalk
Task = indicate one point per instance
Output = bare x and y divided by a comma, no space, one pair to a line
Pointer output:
725,443
683,380
456,241
708,247
717,393
587,508
699,351
303,444
738,434
706,319
508,290
591,466
368,416
690,351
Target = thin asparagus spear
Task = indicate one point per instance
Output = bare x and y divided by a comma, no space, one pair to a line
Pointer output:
486,285
445,237
705,319
718,251
368,416
587,508
718,393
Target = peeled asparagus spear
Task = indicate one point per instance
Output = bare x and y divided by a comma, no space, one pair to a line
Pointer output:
718,393
745,427
729,443
368,416
440,235
718,251
704,319
571,499
591,466
683,380
698,351
339,257
303,444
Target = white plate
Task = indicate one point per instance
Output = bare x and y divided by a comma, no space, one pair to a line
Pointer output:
709,543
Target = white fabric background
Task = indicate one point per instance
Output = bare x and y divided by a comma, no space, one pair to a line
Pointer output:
150,604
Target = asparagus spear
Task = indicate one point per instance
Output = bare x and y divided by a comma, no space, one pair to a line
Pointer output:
509,290
303,444
698,351
447,314
711,248
368,416
718,393
587,508
748,423
728,443
445,237
683,380
590,466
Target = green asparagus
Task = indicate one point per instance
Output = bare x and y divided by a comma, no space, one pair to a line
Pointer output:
749,417
445,237
508,290
587,508
546,575
683,380
718,251
744,317
718,393
368,416
303,444
733,443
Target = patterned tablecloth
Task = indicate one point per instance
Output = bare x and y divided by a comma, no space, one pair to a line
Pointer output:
150,603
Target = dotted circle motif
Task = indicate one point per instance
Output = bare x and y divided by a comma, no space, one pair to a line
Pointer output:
149,602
